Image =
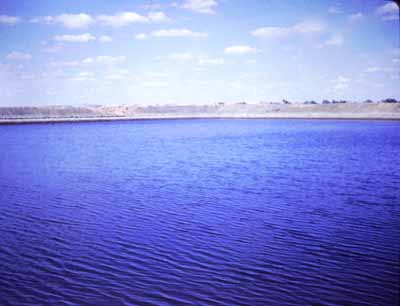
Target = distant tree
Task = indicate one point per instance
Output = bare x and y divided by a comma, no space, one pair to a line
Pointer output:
368,101
342,101
285,101
389,100
313,102
326,102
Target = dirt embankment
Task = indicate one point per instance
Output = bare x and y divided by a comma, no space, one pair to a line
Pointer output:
239,110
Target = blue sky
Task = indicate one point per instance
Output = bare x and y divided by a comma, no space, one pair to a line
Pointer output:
196,51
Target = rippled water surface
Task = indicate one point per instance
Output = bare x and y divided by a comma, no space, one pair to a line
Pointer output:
200,212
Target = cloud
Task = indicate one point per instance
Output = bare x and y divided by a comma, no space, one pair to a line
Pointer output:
120,74
308,27
303,28
181,57
154,84
335,40
372,69
74,21
84,76
356,17
340,83
65,64
78,21
158,17
388,11
82,38
210,61
141,36
98,60
18,56
334,10
122,19
251,61
53,49
114,76
151,6
271,32
197,60
105,39
127,18
200,6
103,59
240,50
9,20
178,33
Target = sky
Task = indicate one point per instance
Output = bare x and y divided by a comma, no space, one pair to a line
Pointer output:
70,52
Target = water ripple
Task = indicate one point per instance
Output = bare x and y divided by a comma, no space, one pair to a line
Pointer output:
203,212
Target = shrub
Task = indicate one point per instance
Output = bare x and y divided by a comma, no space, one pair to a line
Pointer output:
389,100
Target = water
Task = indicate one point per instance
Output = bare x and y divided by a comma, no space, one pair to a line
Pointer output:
200,212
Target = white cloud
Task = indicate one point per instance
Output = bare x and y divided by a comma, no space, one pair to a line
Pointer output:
98,60
356,17
151,6
77,21
65,64
308,27
122,19
334,10
210,61
240,50
251,61
18,56
181,57
84,76
82,38
127,18
105,39
178,33
372,69
119,74
197,60
141,36
200,6
9,20
388,11
335,41
303,28
340,83
53,49
103,59
154,84
71,21
114,76
271,32
158,17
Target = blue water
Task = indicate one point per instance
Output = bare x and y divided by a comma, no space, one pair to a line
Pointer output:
200,212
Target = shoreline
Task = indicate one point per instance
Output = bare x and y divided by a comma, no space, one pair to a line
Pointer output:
391,117
65,114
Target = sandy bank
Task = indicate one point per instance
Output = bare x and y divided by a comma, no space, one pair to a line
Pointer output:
48,114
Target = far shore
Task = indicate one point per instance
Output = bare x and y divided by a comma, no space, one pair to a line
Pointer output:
55,114
107,119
